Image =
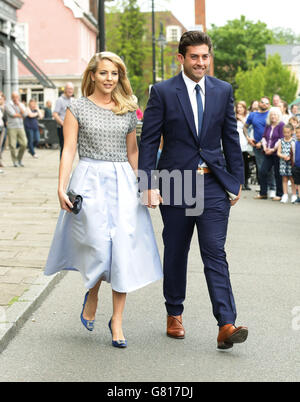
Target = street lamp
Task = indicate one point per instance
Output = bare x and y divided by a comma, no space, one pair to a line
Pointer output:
101,25
153,46
173,67
162,43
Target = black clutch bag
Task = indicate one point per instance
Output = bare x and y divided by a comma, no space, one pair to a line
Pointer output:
76,200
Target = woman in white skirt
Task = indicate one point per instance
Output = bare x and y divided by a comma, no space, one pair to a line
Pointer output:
111,239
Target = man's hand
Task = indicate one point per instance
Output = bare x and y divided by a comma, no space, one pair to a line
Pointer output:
151,198
251,141
233,202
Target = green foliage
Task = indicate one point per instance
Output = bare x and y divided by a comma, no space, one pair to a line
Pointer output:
251,84
285,36
129,34
280,80
266,80
240,44
125,32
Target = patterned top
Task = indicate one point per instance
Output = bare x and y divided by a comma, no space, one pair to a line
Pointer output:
285,167
102,133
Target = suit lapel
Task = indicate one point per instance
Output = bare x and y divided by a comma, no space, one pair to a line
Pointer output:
210,100
184,100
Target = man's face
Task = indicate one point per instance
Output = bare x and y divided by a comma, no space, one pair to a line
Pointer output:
15,98
196,62
264,104
69,91
276,100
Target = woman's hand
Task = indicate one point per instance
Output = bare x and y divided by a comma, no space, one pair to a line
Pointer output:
151,198
64,201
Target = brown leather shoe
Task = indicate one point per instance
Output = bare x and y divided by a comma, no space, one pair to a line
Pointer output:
260,197
174,327
229,334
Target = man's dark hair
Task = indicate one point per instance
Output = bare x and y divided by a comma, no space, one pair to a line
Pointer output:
193,38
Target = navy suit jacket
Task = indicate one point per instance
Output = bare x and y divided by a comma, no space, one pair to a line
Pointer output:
169,113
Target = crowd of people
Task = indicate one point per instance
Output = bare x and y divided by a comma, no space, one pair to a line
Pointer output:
19,128
270,133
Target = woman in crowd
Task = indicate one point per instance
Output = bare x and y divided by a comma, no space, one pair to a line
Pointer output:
270,140
31,125
241,116
111,239
284,107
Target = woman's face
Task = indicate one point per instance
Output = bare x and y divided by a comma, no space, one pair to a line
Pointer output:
32,105
106,77
274,118
239,109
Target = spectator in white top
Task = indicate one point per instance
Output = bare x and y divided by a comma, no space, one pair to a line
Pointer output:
60,111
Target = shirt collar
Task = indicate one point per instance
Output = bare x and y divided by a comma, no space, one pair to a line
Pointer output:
191,84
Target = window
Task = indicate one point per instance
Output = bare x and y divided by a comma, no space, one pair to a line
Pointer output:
38,95
173,33
21,30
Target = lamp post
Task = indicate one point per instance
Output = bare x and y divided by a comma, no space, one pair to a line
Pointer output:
101,25
162,43
153,46
173,67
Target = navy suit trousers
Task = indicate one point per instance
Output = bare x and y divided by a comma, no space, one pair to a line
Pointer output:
212,229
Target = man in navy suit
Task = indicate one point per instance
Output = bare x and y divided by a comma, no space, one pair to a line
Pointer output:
195,115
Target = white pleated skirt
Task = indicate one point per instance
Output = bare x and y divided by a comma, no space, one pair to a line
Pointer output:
112,237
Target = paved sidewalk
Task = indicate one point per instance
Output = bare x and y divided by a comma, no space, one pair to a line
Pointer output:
28,213
263,253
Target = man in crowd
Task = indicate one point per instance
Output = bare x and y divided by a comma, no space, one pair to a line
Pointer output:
15,112
276,100
60,111
258,121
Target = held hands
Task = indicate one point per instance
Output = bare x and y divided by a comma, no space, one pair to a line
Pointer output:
151,198
64,201
269,151
251,141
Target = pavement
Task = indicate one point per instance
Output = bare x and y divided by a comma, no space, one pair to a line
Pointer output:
28,214
42,338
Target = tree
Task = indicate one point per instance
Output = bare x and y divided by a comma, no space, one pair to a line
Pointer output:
239,44
285,36
125,37
280,80
266,80
251,84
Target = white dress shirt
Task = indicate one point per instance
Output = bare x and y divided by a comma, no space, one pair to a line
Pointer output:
190,85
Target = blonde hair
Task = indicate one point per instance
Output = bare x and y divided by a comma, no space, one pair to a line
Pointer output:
243,104
122,95
277,111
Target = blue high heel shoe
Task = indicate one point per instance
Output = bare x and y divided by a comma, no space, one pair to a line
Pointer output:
119,343
89,324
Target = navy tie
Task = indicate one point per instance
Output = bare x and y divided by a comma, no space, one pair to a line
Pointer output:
200,109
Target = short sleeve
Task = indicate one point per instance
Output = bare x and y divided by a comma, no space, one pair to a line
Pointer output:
249,119
57,106
132,122
73,107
